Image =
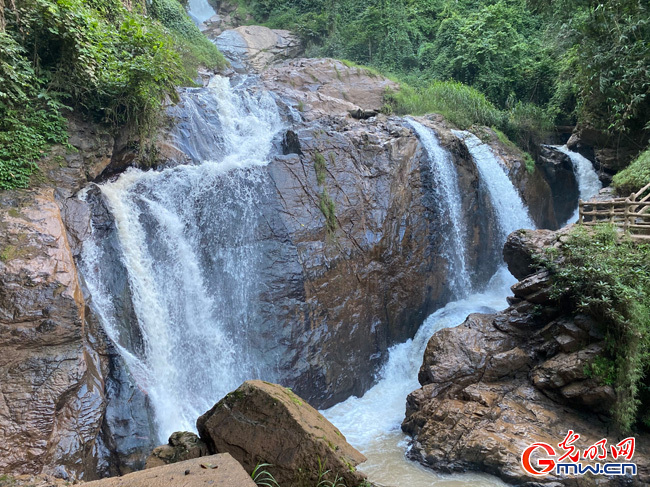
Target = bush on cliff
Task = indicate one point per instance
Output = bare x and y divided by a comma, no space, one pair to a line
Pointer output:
635,176
608,276
97,57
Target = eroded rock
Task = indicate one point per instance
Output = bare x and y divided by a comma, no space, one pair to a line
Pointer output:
267,423
497,383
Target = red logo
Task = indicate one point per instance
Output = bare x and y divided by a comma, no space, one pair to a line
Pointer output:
568,462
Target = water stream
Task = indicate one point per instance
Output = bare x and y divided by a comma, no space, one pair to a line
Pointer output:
446,184
588,181
189,241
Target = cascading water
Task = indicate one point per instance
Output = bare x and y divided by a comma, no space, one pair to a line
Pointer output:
446,181
188,238
200,10
588,181
511,211
376,431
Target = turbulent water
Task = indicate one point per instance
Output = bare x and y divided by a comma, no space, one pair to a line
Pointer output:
445,176
372,423
588,181
188,241
510,209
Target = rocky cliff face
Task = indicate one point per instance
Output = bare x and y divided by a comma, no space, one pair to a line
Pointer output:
56,362
497,383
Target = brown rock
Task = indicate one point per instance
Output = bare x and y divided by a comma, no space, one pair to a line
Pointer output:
182,446
216,470
327,87
497,383
51,386
523,246
267,423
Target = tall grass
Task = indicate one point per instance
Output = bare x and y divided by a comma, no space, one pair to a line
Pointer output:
526,124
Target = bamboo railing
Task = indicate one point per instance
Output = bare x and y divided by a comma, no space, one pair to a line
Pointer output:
631,214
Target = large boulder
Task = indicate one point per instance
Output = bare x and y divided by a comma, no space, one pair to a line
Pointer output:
328,87
557,169
216,470
267,423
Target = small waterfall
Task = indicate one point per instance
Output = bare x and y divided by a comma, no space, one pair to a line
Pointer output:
445,176
372,423
189,242
588,181
200,10
511,211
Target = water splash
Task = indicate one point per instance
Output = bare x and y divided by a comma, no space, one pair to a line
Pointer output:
372,423
445,176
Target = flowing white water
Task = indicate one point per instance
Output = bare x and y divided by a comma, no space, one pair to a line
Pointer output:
200,10
588,181
445,177
189,244
511,211
372,423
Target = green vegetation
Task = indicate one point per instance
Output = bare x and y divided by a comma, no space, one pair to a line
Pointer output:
608,277
96,57
328,209
262,477
320,168
635,176
529,62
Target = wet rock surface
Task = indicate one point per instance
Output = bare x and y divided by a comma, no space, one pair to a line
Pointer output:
267,423
51,385
497,383
557,169
364,277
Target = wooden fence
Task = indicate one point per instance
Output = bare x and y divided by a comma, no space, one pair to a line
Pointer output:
631,214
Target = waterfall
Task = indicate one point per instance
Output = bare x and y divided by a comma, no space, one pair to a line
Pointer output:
511,211
200,10
189,242
372,423
588,181
445,177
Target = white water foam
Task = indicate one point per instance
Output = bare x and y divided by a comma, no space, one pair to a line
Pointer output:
511,211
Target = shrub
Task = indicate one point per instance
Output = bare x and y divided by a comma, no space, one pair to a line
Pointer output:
608,277
460,104
114,64
635,176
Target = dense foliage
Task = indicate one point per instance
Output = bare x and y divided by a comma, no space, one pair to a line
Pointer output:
608,277
635,176
580,60
114,64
